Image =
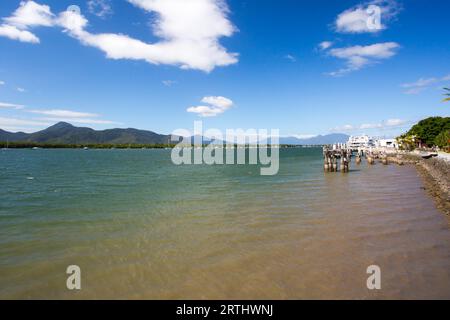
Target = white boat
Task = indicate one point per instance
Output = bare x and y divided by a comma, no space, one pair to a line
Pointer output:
428,155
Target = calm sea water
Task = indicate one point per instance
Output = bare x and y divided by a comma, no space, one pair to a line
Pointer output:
141,227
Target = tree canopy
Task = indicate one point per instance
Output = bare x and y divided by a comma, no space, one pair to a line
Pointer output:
428,129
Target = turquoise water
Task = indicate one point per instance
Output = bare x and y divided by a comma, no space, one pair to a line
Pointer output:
140,227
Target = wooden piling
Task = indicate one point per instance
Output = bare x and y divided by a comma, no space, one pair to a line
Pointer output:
331,156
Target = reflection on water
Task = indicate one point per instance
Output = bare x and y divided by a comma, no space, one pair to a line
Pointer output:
140,227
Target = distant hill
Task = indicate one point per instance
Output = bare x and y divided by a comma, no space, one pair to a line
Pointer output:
65,133
317,140
10,136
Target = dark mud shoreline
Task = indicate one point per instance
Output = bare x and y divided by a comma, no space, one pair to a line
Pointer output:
435,174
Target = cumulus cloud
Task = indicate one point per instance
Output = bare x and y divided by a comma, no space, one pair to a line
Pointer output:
216,106
2,83
363,17
357,57
15,33
11,105
219,102
29,14
21,89
422,84
189,32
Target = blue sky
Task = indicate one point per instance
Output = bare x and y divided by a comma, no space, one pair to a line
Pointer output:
304,67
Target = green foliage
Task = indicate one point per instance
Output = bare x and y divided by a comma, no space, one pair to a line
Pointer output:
442,140
428,129
64,133
20,145
406,142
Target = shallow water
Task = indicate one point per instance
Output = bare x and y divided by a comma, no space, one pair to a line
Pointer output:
141,227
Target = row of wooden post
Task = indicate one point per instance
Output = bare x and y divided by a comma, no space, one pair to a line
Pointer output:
331,160
331,157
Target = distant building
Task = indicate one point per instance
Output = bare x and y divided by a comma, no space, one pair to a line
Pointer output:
356,142
387,143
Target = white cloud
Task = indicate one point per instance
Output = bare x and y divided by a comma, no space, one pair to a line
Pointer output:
303,136
422,84
370,126
14,122
205,111
100,8
14,33
31,14
49,117
360,20
385,124
11,105
324,45
56,115
358,57
218,101
64,113
189,32
81,120
20,89
217,105
394,122
290,57
344,128
168,83
389,123
2,83
28,15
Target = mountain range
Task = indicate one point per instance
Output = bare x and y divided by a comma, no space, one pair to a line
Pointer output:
66,133
317,140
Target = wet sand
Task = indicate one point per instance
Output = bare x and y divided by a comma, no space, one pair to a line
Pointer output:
435,173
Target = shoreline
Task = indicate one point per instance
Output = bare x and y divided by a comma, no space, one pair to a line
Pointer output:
435,174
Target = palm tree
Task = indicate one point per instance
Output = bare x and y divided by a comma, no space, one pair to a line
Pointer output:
447,94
